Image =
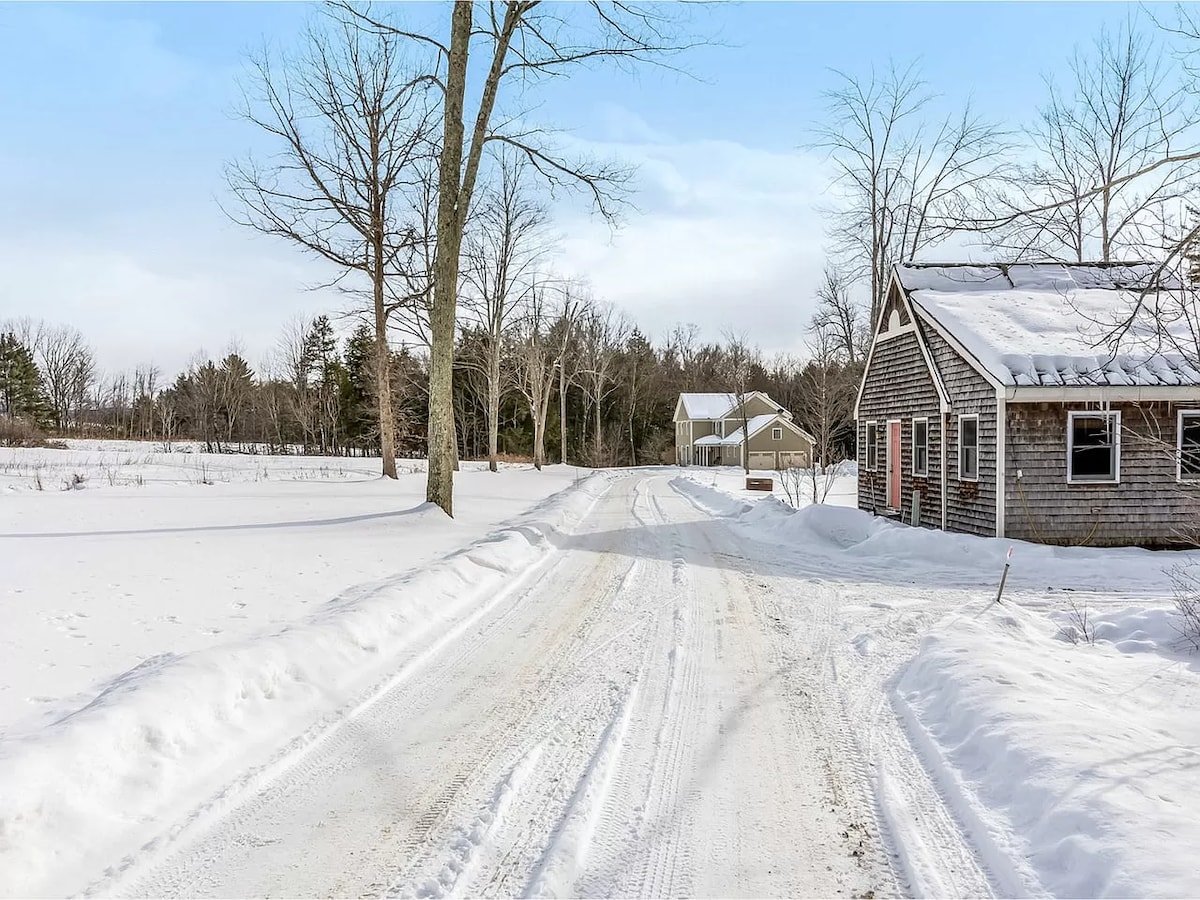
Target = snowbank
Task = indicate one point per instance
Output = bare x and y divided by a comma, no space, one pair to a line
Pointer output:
732,480
1078,762
158,738
915,553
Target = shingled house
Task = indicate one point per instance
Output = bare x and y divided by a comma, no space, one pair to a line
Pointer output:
990,405
709,432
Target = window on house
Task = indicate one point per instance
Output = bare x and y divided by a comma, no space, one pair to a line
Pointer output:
968,448
872,448
1189,445
1094,446
719,428
777,434
920,447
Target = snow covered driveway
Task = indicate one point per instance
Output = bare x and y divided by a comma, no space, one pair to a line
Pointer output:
642,685
635,716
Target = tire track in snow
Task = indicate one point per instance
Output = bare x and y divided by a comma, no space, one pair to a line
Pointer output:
568,853
183,862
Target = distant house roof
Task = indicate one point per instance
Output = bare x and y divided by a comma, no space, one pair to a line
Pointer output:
1044,324
707,406
753,427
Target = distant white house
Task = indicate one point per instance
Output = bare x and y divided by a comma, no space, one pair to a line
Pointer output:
709,432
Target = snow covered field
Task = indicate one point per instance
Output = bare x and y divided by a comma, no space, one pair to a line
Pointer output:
298,680
103,578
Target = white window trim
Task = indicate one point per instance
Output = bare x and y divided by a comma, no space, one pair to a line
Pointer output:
1115,415
1195,413
925,473
889,471
868,444
971,417
777,434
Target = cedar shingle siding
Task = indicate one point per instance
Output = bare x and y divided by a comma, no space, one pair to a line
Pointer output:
1148,507
970,506
899,386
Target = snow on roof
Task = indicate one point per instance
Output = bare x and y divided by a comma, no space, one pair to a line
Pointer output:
755,425
707,406
1045,323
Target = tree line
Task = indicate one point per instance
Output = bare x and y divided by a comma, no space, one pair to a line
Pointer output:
574,381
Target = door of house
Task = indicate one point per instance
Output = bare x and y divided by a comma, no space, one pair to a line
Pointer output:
893,461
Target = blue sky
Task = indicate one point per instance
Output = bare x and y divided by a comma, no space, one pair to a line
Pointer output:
117,123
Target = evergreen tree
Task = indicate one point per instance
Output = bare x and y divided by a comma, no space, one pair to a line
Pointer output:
326,374
22,390
360,410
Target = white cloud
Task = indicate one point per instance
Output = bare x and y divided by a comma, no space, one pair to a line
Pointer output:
727,237
159,289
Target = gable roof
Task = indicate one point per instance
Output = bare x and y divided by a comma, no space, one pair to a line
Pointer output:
718,405
1043,324
707,406
758,423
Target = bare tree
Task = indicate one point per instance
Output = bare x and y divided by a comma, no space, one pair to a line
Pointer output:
841,318
537,351
1121,113
828,389
352,124
683,342
740,358
504,242
904,184
575,303
145,392
602,333
521,42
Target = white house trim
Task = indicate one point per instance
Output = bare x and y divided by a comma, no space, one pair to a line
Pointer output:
1194,413
890,471
1165,393
934,374
944,427
913,448
1115,415
967,417
1001,460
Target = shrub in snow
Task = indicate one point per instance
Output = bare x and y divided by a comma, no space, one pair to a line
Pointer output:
1080,627
791,480
75,482
1186,582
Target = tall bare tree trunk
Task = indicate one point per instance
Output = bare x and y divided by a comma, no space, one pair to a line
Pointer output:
383,379
562,411
598,447
439,487
493,400
539,442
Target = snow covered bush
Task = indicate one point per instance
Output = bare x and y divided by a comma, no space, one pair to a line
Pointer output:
1080,626
791,480
1186,581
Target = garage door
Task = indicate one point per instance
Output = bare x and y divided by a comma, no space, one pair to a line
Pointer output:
793,459
764,460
